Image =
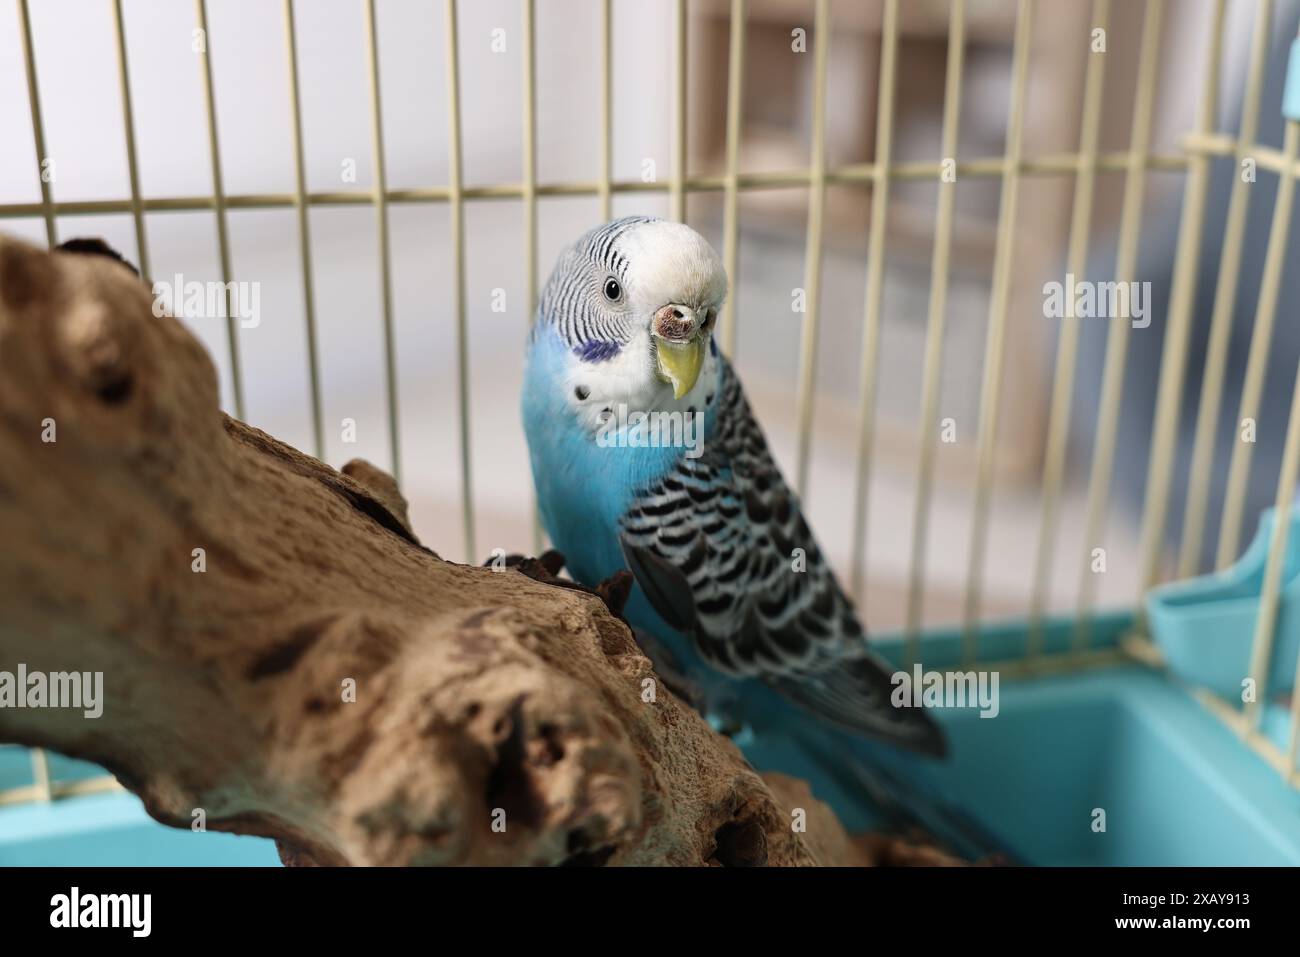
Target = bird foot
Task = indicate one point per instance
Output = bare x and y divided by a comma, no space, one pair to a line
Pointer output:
613,591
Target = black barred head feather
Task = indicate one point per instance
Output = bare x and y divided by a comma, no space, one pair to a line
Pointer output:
574,300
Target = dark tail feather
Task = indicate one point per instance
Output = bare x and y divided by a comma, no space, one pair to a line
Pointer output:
904,803
856,695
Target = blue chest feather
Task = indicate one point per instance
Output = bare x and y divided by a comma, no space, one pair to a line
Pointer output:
584,488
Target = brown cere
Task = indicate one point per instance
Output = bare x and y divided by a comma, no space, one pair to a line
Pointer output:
671,323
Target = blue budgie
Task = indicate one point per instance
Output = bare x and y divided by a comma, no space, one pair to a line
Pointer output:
646,456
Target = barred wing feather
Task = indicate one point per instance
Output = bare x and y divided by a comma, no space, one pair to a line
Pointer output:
715,545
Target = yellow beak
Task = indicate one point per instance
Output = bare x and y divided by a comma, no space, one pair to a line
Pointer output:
680,363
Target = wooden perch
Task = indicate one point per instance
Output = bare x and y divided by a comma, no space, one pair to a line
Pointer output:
280,653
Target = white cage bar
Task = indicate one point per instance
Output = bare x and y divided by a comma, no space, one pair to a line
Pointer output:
1198,150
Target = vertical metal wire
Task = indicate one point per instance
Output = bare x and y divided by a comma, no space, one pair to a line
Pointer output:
730,221
1257,362
41,774
606,110
991,387
813,251
677,192
128,123
40,763
1174,362
1067,347
304,231
1216,358
38,124
874,296
1292,753
530,156
381,216
1261,657
457,204
1117,337
530,197
936,323
219,205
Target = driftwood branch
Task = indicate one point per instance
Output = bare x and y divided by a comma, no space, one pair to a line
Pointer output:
280,652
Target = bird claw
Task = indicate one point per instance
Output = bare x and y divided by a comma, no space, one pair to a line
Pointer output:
613,591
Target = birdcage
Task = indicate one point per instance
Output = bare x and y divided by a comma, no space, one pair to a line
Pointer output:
1177,716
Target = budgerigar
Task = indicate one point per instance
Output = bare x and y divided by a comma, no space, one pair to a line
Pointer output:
646,456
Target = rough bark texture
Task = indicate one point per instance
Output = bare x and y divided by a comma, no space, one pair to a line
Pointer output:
479,695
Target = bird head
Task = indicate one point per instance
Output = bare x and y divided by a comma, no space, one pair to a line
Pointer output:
636,302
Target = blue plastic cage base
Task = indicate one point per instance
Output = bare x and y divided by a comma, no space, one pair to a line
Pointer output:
1177,786
113,829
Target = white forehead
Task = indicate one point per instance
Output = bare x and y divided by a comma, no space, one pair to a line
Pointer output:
670,262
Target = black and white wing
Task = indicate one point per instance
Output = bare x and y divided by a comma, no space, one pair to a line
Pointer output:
723,553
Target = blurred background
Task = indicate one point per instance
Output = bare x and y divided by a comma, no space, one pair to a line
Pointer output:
83,119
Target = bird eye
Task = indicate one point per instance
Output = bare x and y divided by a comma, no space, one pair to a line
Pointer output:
613,291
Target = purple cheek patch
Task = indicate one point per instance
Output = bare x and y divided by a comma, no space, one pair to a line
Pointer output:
597,351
